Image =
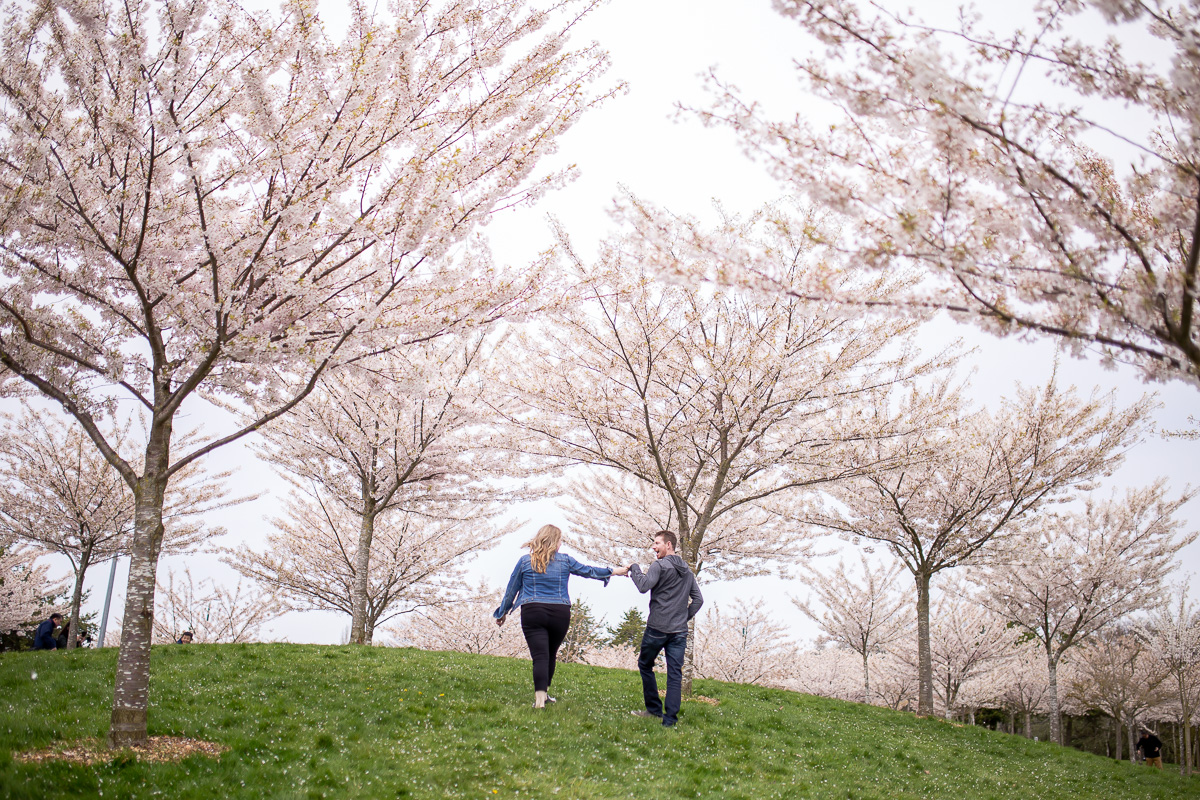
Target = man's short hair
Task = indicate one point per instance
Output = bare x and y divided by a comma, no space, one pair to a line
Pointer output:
56,615
188,633
670,538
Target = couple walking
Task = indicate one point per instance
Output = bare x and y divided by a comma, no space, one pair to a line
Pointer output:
539,586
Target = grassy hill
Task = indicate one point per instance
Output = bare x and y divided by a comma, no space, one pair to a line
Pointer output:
343,722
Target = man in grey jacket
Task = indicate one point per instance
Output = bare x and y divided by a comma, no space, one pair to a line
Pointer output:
674,599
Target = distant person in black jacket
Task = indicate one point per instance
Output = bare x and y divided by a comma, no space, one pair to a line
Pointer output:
43,638
674,599
1150,747
64,634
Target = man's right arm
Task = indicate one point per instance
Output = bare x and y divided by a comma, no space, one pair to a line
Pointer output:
645,582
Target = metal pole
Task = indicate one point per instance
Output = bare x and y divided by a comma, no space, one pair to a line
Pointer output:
112,574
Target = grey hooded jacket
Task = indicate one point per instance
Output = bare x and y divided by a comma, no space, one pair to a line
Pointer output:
671,585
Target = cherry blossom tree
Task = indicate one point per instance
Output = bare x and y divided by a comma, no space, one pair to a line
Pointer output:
390,433
463,624
1020,685
242,200
25,586
1042,179
1116,673
616,657
744,645
965,640
862,610
58,492
1075,573
706,413
310,559
213,612
1173,637
964,484
895,681
826,672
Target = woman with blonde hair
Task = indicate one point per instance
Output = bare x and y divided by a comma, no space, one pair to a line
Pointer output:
539,586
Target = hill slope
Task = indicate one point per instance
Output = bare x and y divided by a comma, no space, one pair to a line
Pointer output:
307,721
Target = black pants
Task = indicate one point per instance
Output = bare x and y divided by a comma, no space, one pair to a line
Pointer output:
545,626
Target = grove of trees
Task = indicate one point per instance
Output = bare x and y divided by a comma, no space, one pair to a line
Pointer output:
277,228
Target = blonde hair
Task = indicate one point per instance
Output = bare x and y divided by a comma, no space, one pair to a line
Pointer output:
543,546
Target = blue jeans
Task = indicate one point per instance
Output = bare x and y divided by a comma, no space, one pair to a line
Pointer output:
653,643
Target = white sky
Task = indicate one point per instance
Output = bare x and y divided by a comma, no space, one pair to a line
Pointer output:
639,141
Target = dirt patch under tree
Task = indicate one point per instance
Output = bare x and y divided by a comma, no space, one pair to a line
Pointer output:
94,751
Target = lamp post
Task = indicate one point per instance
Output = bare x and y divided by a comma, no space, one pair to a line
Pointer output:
112,574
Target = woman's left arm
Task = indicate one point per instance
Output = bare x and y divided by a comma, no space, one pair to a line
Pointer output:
588,571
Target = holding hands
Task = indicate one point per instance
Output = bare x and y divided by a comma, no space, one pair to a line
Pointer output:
620,570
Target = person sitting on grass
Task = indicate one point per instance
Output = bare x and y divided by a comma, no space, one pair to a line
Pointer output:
539,586
674,599
43,637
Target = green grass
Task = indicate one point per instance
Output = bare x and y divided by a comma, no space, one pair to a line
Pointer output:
353,722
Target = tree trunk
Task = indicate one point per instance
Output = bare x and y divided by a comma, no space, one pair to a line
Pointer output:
689,658
1187,746
362,567
1028,724
85,558
924,652
1130,726
866,681
1117,751
1185,708
1055,720
1179,747
688,550
949,714
131,694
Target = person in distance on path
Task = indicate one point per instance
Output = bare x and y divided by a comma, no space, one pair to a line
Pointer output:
539,586
1151,748
674,599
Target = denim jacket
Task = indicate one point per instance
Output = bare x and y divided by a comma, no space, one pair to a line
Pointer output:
527,586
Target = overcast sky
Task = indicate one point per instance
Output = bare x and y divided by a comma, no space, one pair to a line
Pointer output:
641,142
